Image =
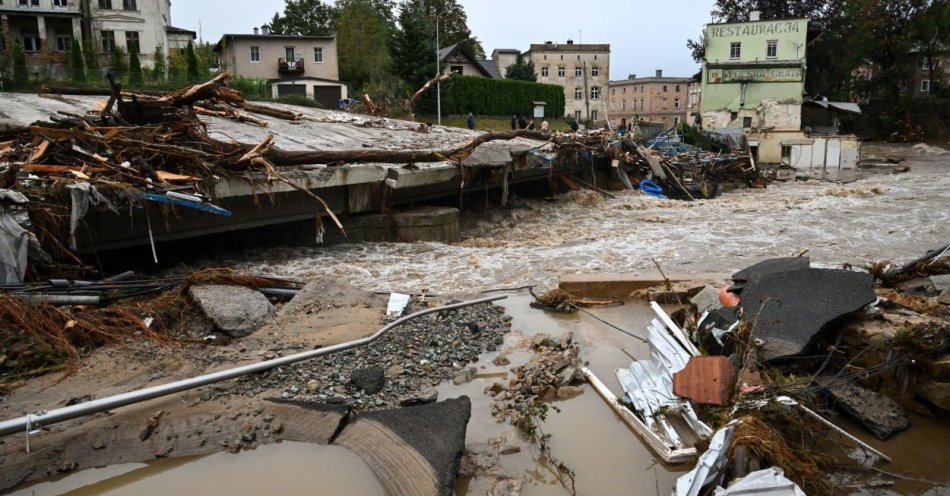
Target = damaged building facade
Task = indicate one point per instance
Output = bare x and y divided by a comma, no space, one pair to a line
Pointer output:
754,86
45,29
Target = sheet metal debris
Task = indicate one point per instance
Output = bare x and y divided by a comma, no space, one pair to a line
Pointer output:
707,380
770,481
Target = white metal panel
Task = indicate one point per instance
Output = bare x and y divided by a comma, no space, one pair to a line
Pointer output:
849,158
818,156
833,155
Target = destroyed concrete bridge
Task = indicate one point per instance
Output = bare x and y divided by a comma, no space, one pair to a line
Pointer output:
358,192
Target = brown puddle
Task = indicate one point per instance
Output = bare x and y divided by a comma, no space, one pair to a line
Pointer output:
287,468
605,455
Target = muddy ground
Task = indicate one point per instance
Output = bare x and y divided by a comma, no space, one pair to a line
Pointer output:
881,216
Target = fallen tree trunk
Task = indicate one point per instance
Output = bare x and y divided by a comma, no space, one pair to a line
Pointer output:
414,100
289,115
313,157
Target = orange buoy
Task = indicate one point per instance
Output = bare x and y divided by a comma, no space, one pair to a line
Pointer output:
728,299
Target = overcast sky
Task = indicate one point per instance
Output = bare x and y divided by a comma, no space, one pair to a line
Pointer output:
644,36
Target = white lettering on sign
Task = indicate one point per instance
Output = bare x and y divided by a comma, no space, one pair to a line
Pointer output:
764,74
755,29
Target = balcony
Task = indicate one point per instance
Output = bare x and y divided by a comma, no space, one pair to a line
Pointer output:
290,66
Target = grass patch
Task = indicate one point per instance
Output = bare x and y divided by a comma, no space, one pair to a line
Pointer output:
490,123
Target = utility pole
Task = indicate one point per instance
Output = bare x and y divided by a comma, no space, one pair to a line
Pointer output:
438,71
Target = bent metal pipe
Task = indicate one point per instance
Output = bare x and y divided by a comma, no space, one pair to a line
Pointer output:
45,419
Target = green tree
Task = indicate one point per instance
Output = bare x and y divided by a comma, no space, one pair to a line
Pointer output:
362,41
304,18
522,70
21,75
135,69
191,61
118,64
92,61
453,23
160,66
177,67
413,57
77,72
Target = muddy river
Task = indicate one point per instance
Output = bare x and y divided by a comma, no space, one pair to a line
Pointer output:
881,216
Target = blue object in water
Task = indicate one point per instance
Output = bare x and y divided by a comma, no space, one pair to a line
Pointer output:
651,188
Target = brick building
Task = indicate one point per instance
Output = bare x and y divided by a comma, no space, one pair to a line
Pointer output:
659,99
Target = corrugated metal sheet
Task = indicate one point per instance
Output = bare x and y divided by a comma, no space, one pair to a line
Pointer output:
649,385
709,465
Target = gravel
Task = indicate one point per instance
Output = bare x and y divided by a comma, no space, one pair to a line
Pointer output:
416,356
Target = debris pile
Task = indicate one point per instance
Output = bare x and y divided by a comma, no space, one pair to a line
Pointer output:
550,375
794,345
686,174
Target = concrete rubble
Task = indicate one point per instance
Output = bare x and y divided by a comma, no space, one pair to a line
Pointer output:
235,310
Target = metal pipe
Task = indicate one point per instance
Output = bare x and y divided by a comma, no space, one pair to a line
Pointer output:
59,299
279,291
21,424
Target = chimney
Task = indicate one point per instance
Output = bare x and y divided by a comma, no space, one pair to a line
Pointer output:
632,76
659,73
570,42
257,31
755,15
265,30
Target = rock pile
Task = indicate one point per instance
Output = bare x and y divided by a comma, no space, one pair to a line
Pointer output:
401,368
551,374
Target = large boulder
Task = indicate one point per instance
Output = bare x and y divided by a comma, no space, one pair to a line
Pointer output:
235,310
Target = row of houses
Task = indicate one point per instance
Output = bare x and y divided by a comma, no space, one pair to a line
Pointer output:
45,29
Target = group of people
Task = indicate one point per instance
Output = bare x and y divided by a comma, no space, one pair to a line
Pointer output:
519,122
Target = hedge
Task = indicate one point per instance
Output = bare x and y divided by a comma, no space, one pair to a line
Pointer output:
483,96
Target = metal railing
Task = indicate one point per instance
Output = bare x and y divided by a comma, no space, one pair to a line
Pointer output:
29,422
290,65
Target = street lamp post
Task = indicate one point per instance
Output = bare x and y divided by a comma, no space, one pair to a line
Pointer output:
438,71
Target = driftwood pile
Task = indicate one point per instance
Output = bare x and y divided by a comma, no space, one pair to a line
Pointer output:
685,176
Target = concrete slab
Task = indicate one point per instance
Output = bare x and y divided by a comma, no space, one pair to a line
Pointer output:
790,309
616,286
940,282
876,412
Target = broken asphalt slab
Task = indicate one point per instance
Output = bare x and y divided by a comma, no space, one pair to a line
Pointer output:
789,309
414,450
770,266
878,413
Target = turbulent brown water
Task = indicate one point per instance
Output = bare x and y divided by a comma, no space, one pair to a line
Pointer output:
881,216
898,216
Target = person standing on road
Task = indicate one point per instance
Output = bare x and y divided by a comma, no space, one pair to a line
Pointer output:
514,122
545,126
522,123
470,121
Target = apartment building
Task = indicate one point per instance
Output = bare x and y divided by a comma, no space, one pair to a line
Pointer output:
583,70
46,28
657,99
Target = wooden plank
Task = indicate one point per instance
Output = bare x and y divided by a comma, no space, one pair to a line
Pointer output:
171,177
61,168
667,453
39,151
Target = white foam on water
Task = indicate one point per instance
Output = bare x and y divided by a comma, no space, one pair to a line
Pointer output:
882,216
